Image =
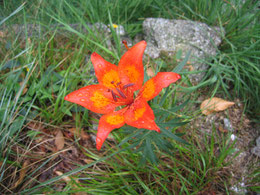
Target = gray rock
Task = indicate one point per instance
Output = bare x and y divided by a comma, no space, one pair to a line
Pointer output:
239,188
256,149
228,125
103,28
37,30
173,35
258,141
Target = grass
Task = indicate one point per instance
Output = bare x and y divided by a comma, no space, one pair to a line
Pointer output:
38,71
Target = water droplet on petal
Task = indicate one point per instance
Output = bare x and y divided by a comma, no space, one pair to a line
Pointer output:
98,140
98,143
82,100
80,95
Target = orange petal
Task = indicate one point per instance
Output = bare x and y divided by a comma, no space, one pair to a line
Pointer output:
140,115
107,123
131,68
106,73
93,97
154,85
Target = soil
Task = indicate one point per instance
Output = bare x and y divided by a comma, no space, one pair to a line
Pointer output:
234,123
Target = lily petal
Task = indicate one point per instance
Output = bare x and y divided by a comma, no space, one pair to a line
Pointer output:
140,115
106,73
93,97
107,123
131,68
153,86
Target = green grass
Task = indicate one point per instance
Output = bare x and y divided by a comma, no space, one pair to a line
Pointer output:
38,71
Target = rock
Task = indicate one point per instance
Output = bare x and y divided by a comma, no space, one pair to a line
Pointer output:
228,125
239,188
258,141
36,30
233,137
173,35
256,150
103,28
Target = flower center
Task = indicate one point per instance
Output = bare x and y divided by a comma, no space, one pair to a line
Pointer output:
122,94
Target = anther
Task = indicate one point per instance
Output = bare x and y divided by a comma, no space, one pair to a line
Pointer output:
118,83
128,85
114,96
121,93
112,82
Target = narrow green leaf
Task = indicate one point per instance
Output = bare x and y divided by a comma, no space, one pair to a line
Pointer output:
179,67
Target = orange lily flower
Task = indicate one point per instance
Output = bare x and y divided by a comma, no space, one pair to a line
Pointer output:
116,87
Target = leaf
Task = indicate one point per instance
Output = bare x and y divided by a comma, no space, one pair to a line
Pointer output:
214,105
22,174
11,64
79,133
25,89
221,129
64,178
169,134
179,67
59,140
2,34
190,67
150,72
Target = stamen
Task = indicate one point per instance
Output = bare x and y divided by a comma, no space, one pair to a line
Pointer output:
112,82
121,93
114,96
128,85
118,83
125,43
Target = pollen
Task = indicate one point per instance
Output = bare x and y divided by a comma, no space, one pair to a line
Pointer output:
115,119
149,89
99,100
139,113
110,78
132,73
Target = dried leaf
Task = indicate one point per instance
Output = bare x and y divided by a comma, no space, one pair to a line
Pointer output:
214,105
25,89
22,174
29,40
88,161
79,133
150,72
221,129
190,67
74,131
2,34
35,125
65,178
59,140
